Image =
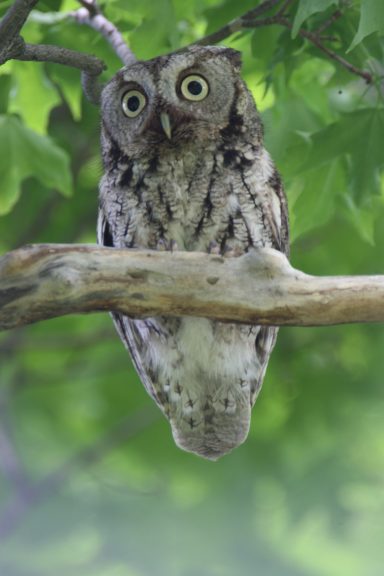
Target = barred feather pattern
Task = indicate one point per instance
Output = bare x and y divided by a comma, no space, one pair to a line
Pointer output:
210,185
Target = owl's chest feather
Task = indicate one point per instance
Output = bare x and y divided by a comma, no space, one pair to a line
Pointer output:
161,200
189,198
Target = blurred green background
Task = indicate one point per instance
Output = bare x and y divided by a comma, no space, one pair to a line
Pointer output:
91,483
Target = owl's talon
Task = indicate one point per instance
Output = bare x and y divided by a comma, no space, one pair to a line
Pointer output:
165,245
214,247
232,251
161,245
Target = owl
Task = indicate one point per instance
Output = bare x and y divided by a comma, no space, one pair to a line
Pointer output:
185,168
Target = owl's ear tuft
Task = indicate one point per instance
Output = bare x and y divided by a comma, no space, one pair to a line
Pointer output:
234,56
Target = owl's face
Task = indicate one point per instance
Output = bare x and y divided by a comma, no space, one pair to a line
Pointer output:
175,100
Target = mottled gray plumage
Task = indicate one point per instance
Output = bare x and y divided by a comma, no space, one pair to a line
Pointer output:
186,169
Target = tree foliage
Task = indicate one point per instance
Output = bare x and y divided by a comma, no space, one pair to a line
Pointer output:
304,495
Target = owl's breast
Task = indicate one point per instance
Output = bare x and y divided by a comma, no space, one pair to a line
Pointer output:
189,198
161,200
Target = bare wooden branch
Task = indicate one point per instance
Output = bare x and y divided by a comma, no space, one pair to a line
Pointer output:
60,55
91,15
12,46
44,281
90,66
14,19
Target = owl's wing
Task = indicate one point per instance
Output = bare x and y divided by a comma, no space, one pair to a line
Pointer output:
125,326
275,213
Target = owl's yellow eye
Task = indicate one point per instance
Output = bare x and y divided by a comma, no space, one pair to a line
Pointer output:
194,87
133,103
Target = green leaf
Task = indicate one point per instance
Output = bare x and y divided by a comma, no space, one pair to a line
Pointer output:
53,5
156,32
220,15
33,96
306,9
316,203
309,80
70,85
264,43
363,219
5,87
371,20
359,137
23,154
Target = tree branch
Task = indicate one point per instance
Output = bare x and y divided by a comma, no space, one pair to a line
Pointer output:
251,19
91,15
324,25
45,281
13,47
14,19
237,24
58,55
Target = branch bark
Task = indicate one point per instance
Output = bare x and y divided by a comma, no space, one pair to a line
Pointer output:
12,46
91,15
38,282
14,19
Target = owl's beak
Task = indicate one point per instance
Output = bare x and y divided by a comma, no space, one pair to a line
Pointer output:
166,124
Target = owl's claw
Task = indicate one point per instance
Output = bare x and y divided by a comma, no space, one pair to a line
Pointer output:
232,251
228,251
166,245
214,247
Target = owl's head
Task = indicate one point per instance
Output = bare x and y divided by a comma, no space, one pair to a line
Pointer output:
185,98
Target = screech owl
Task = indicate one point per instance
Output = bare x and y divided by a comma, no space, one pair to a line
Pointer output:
186,169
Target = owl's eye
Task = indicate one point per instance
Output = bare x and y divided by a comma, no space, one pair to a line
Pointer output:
133,103
194,87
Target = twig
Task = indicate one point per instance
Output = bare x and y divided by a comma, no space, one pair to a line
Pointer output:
12,46
237,24
91,15
249,20
313,37
90,66
284,8
328,22
261,9
45,281
368,77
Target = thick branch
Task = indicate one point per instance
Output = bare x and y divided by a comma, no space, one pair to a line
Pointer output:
12,46
45,281
14,19
65,56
